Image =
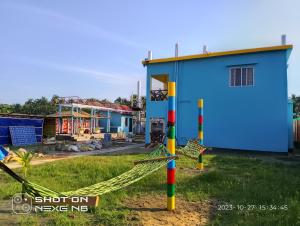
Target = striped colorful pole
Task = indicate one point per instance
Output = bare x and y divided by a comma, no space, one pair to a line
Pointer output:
200,132
171,145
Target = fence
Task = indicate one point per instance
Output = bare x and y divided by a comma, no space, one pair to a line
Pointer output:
296,129
159,95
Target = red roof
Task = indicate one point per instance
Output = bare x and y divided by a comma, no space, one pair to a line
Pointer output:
95,102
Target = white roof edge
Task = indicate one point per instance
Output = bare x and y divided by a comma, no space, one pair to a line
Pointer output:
93,107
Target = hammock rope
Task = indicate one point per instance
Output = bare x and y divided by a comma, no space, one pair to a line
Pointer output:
192,149
129,177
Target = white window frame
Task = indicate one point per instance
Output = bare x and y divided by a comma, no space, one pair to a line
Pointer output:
241,68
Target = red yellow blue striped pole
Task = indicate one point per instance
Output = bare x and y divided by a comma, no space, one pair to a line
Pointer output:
200,132
171,145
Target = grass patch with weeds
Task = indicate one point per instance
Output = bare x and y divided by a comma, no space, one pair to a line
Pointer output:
229,179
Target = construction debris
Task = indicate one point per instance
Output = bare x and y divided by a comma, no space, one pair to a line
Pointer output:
51,140
90,145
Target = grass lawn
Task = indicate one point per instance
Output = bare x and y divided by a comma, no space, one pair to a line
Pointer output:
230,179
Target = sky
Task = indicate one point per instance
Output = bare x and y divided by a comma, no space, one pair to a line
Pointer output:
94,48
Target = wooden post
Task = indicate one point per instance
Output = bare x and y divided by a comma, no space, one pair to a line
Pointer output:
77,121
59,120
91,121
72,120
108,122
200,132
171,145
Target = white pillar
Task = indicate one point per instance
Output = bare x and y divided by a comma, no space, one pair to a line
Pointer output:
149,55
283,39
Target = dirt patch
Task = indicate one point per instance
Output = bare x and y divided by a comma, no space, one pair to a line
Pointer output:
151,210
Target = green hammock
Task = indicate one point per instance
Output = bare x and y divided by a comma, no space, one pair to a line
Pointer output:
192,149
138,172
135,174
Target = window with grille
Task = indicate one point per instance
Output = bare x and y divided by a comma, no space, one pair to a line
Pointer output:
159,87
241,76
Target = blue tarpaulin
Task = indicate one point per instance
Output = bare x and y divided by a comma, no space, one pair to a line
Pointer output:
22,135
3,153
6,122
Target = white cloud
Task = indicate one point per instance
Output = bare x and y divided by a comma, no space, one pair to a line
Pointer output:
115,79
73,24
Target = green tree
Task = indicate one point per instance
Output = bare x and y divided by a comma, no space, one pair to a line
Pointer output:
40,106
6,108
122,101
17,108
105,101
143,98
54,100
134,100
296,105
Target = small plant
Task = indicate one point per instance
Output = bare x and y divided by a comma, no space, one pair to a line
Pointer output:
24,158
97,130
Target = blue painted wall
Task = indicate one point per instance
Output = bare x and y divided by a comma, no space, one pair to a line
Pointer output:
250,118
124,126
117,123
103,123
290,124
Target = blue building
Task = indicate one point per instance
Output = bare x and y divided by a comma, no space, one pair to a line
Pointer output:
245,96
108,117
118,122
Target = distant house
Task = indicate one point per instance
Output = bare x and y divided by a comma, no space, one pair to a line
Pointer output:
119,122
245,98
65,121
93,117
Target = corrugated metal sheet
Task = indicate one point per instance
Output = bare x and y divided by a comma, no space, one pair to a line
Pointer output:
296,129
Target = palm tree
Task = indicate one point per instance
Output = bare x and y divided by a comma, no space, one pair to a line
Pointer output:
55,100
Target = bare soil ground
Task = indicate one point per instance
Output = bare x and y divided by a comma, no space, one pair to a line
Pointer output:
151,210
6,215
